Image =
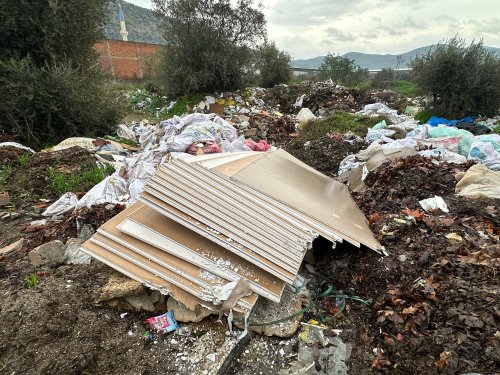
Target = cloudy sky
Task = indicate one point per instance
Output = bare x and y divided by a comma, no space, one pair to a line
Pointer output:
310,28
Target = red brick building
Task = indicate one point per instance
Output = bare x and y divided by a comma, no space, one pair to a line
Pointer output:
125,60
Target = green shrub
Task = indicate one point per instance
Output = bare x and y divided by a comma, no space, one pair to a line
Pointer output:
342,70
45,105
423,116
406,88
274,66
463,80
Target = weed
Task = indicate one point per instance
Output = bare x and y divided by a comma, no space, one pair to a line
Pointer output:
5,173
24,159
61,182
31,281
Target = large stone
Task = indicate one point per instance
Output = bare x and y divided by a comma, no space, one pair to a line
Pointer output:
13,247
120,286
73,254
183,314
85,232
141,302
268,311
4,199
49,254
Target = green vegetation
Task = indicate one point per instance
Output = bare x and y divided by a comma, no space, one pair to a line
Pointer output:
210,44
50,84
406,88
24,159
342,70
273,66
155,105
423,116
61,182
5,173
340,122
462,80
31,281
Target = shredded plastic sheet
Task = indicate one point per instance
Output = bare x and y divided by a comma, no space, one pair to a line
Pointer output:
65,203
300,100
16,145
163,323
443,154
485,153
430,204
375,134
113,189
436,121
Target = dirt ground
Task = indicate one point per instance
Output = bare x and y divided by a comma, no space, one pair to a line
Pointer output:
431,306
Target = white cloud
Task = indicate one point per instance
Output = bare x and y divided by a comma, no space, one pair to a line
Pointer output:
309,28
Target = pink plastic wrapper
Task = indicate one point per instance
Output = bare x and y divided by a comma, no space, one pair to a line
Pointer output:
262,145
163,323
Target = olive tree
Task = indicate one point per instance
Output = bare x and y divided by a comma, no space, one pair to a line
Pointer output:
342,70
462,80
209,44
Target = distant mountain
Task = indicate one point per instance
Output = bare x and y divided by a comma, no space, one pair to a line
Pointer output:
373,61
142,24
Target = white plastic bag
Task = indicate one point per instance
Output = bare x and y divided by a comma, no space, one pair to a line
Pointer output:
430,204
113,189
64,204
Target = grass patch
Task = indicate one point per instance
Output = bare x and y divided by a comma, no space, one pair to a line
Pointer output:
341,122
406,88
31,281
61,182
5,173
24,159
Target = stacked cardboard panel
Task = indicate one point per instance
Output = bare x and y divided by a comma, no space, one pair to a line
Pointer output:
205,222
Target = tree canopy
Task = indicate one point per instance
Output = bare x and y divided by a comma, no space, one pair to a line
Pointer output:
342,70
463,80
209,43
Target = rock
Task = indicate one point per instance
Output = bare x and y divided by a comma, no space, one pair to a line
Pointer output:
73,254
183,314
250,133
49,254
85,232
119,286
4,199
13,247
141,302
267,311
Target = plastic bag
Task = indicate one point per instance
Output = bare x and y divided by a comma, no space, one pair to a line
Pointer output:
445,155
235,146
436,121
430,204
485,153
304,116
479,181
374,134
380,125
113,189
64,204
262,145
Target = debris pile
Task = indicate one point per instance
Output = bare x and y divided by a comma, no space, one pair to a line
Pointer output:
207,226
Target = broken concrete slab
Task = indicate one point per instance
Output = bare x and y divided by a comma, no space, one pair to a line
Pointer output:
85,232
73,254
268,311
49,254
185,315
119,286
12,248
